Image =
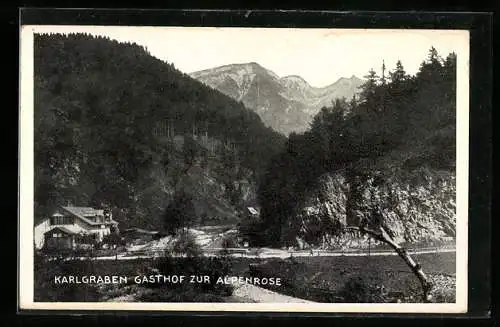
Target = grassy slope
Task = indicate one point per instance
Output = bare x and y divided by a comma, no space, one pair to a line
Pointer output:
323,279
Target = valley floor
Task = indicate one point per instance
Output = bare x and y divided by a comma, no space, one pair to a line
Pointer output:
305,279
209,236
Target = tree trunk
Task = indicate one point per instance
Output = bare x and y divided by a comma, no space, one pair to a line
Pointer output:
414,266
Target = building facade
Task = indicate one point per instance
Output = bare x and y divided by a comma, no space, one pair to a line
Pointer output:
71,227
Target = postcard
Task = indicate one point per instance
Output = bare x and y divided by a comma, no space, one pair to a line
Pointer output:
243,169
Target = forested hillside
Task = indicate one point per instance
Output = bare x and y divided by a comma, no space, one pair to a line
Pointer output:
97,106
384,158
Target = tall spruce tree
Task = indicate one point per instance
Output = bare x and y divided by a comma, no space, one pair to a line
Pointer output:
398,75
382,78
369,87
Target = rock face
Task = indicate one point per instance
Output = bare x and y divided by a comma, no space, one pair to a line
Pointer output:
417,206
214,188
286,104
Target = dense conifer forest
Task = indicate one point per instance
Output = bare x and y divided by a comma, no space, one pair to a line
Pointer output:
398,121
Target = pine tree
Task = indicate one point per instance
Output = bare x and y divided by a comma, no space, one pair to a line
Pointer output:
431,68
180,213
352,106
382,78
433,56
399,74
369,87
450,65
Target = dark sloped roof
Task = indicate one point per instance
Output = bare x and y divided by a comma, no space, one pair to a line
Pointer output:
82,212
63,229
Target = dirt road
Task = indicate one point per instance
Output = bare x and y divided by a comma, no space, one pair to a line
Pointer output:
266,254
261,295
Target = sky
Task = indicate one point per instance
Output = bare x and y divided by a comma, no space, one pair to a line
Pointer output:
320,56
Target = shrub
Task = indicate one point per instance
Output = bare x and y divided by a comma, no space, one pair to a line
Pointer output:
363,289
214,267
113,239
186,245
229,241
45,290
444,296
444,290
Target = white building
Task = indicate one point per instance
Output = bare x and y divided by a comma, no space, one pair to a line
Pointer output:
68,226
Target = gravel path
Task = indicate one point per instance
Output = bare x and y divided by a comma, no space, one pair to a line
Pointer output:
245,293
261,295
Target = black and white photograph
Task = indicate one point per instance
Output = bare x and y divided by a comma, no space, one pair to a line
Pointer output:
243,169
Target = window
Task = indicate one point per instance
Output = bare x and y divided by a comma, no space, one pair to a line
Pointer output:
59,220
97,219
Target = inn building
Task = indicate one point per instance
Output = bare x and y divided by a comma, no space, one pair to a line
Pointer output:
71,227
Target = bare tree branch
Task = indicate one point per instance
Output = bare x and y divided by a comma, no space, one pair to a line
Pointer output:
415,267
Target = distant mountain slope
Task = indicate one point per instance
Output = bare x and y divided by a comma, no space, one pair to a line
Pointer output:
286,104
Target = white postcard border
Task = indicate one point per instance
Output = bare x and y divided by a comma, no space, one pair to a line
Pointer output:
26,208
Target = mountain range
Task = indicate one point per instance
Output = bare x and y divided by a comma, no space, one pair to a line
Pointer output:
286,104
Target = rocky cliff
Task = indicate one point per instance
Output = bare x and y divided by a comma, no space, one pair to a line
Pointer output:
417,206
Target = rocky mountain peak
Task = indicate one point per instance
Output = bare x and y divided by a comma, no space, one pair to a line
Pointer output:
286,104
